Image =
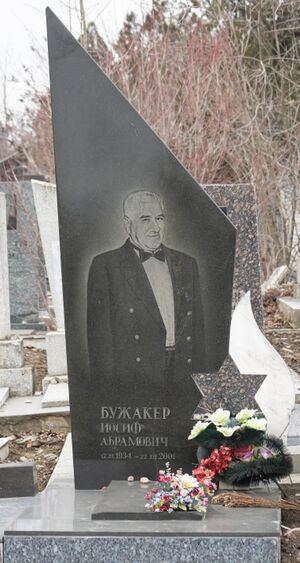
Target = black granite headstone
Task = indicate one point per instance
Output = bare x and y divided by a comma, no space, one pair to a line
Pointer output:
147,265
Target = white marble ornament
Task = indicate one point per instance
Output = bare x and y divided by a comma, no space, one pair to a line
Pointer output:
254,354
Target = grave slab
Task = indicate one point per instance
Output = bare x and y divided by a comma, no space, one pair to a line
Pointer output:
290,307
275,279
57,395
56,353
58,527
4,394
295,453
4,448
4,280
19,381
296,291
18,479
126,501
11,353
54,379
26,414
45,201
294,427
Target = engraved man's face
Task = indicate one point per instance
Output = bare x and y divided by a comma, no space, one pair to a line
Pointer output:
146,224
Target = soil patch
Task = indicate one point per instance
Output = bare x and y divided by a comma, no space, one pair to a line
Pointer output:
287,343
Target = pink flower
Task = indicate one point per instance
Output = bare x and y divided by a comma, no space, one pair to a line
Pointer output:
266,453
244,452
164,478
148,496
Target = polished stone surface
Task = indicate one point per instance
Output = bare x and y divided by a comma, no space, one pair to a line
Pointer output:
294,427
141,550
228,388
18,479
126,408
126,501
61,509
239,200
57,526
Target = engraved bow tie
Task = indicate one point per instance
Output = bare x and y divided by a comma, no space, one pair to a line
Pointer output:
158,254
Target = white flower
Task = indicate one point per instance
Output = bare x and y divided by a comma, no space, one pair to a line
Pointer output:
227,430
244,414
220,416
187,481
256,423
197,429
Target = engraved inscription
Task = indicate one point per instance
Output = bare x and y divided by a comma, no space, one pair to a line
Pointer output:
122,427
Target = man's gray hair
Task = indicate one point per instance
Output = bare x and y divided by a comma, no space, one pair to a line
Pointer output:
140,196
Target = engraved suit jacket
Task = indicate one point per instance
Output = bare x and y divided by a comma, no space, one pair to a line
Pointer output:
126,334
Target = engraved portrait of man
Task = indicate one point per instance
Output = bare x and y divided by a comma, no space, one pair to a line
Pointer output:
144,317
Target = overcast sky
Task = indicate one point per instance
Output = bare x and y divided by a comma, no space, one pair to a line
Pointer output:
23,24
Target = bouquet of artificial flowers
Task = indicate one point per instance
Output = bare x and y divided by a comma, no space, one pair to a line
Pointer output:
241,453
225,428
178,491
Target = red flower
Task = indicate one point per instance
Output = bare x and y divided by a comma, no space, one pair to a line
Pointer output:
148,496
217,462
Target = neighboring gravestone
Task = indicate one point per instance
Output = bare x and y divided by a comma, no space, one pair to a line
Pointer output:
45,201
13,376
27,280
240,204
144,308
4,283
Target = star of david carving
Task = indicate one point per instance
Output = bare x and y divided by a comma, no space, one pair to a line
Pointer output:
227,388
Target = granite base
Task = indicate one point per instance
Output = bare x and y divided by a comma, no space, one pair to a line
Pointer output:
57,527
140,550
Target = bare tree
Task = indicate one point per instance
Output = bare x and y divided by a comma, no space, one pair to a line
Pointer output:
219,82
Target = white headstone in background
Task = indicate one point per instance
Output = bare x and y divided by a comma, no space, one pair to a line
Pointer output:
253,353
298,269
275,279
4,280
45,200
